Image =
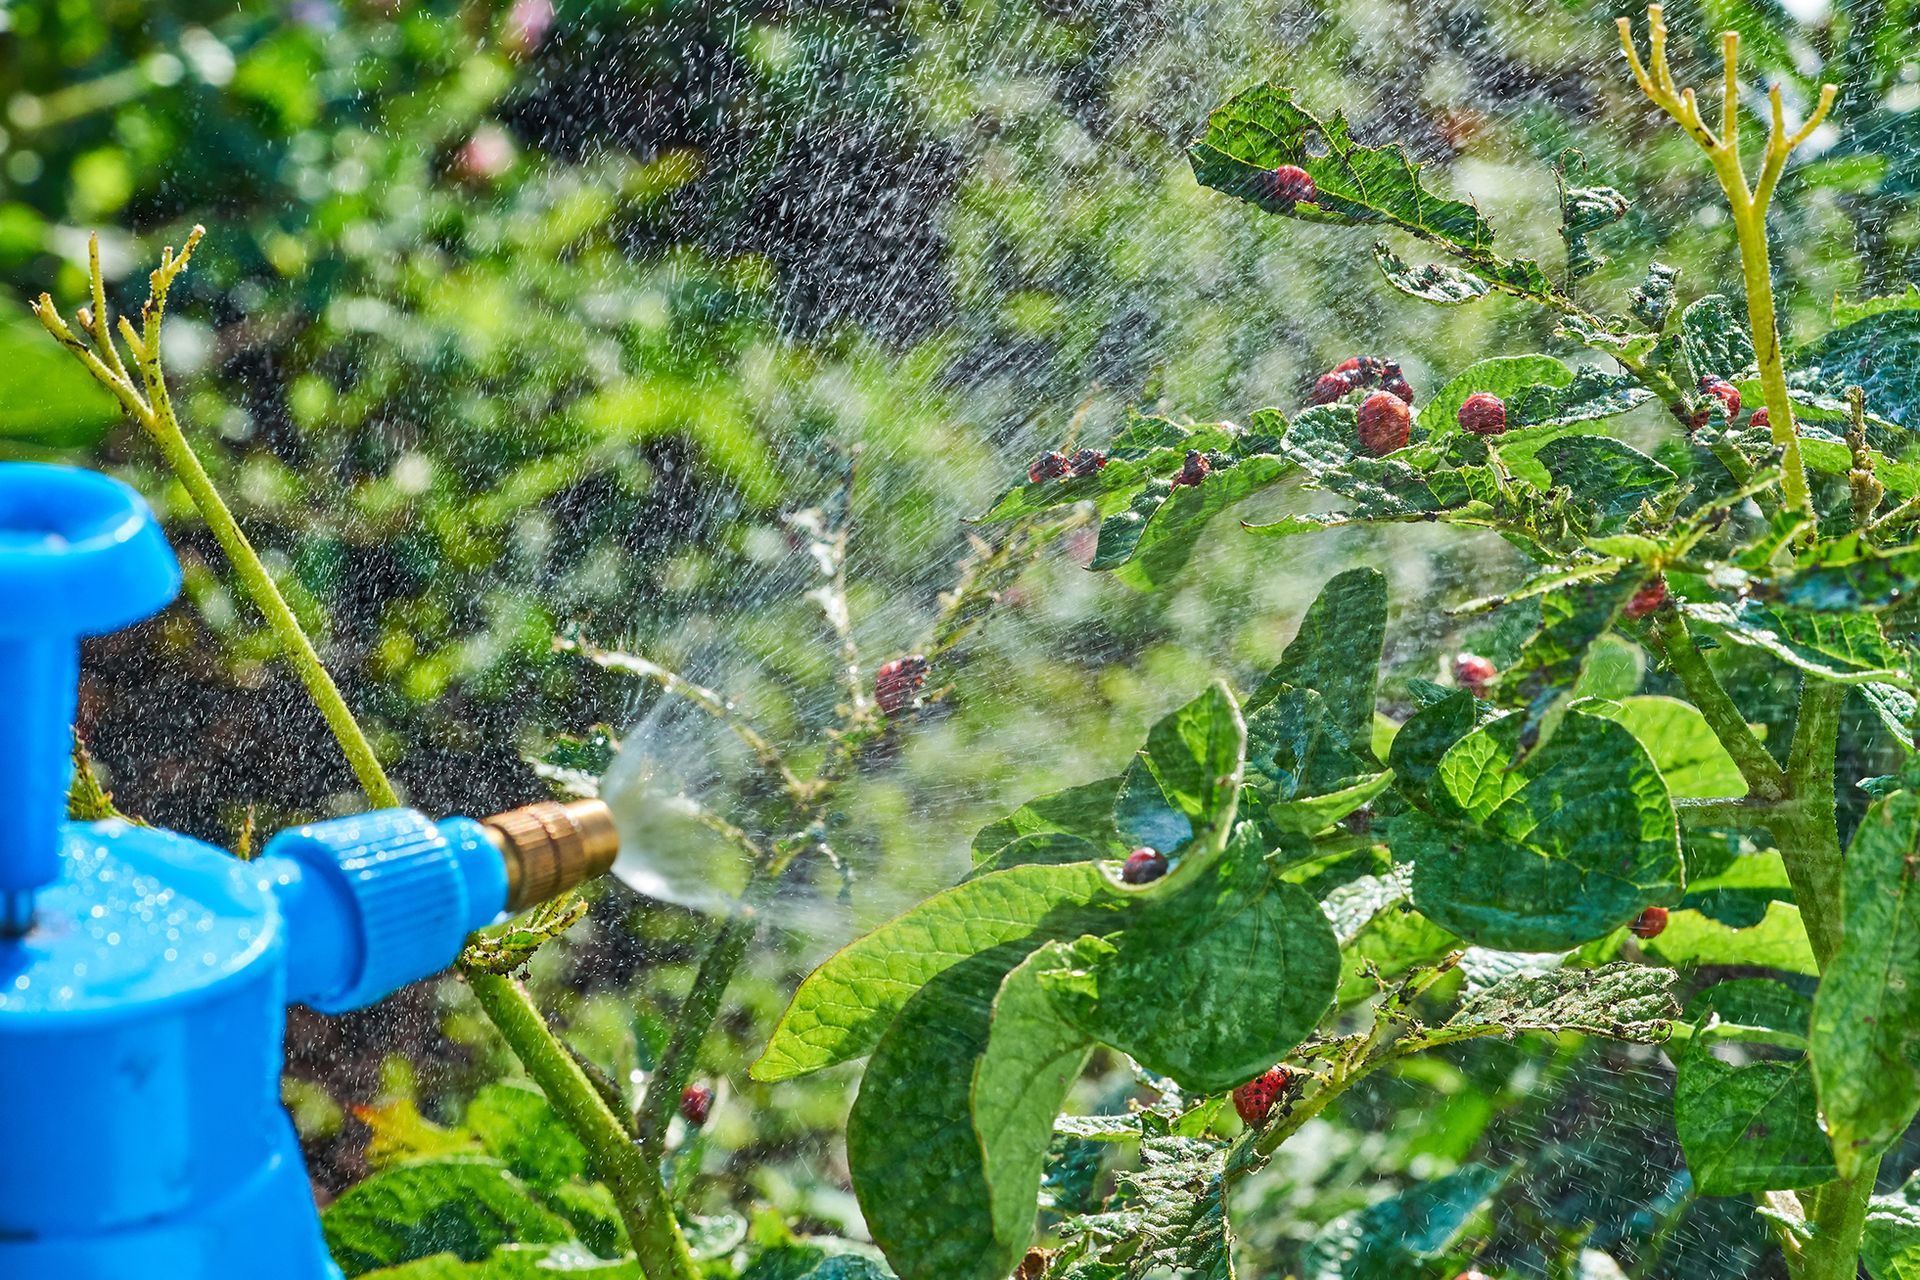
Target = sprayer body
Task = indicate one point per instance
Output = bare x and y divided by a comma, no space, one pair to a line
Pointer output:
140,1033
141,1029
144,975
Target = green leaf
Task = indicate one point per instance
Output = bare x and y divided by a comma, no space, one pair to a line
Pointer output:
1377,928
1880,353
1261,128
1715,340
1779,941
1584,211
1606,477
1306,815
1301,774
919,1170
1848,311
1020,1082
1630,1002
1336,653
1845,576
1430,281
1401,1236
1749,1124
1160,547
515,1262
1866,1018
1171,1214
1891,1245
1652,301
1182,791
466,1206
1121,531
1571,619
1085,811
1047,848
1210,986
1689,756
1544,853
518,1128
1848,648
1424,741
1589,395
1503,376
843,1007
1110,489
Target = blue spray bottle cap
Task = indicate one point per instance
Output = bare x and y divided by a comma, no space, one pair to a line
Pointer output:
80,555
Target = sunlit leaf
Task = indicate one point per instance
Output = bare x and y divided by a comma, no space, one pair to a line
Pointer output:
1880,353
1844,647
1779,941
843,1007
1261,128
1546,852
1430,281
1336,653
1631,1002
1866,1017
1749,1124
1210,986
1714,339
466,1206
918,1166
1032,1058
1891,1243
1684,748
1175,1207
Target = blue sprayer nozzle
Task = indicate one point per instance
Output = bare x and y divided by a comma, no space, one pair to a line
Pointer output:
144,975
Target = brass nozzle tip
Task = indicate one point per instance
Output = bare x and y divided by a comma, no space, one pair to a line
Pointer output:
550,847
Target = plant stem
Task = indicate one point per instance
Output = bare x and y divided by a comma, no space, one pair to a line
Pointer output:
643,1201
1809,841
645,1206
155,415
1750,224
1765,779
1805,829
260,587
1749,208
710,983
1839,1216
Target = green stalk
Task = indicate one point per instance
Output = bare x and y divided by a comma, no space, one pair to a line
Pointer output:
1765,779
1750,224
1806,829
645,1206
265,593
1809,841
724,954
1839,1219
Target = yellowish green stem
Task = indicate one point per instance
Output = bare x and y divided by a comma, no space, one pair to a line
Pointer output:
1749,208
155,415
645,1206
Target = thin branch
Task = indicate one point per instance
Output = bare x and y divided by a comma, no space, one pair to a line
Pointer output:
717,705
1765,778
645,1207
154,413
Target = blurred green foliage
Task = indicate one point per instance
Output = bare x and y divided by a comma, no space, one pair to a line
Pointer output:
517,317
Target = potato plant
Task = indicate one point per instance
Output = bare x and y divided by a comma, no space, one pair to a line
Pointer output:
1284,875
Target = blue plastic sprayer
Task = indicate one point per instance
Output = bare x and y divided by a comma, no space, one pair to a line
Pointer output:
144,975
